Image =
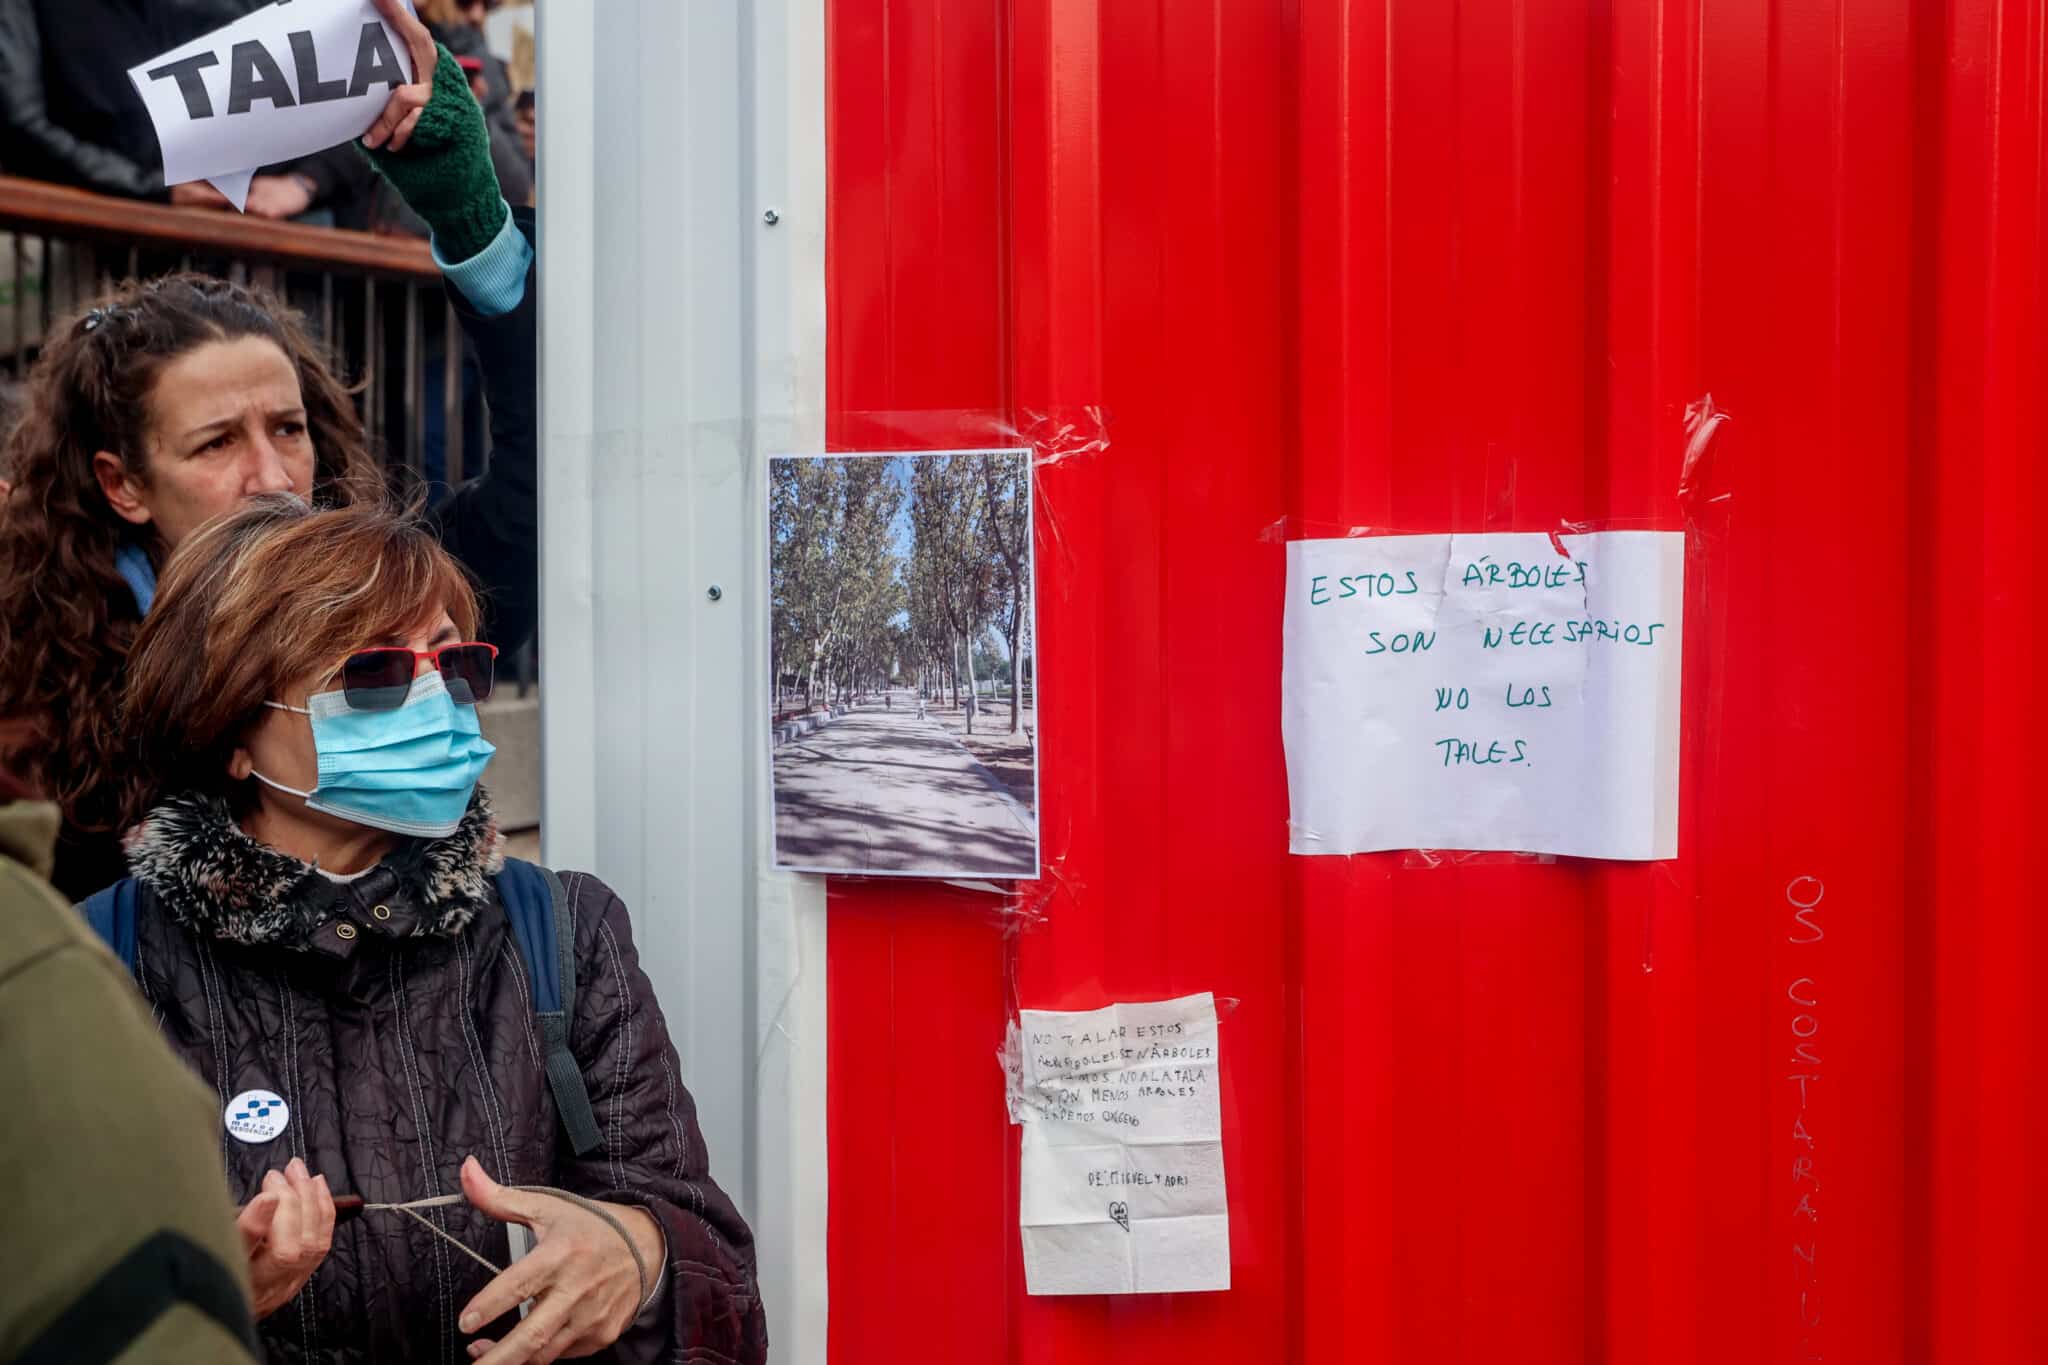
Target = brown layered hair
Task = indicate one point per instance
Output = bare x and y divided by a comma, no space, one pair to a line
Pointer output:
67,618
252,606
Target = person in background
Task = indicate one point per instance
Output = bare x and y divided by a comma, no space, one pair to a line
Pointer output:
319,920
526,118
509,156
69,114
121,1237
459,27
174,400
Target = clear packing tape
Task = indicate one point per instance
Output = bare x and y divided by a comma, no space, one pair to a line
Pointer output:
1057,438
1054,438
1704,504
1057,441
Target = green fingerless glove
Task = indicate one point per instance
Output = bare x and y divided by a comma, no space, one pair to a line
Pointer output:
445,173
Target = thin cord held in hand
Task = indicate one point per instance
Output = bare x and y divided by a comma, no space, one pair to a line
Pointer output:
411,1210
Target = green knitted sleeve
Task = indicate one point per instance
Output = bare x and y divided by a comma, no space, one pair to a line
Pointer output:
444,174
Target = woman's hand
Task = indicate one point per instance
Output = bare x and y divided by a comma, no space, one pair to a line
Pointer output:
287,1231
278,197
393,128
197,194
580,1271
431,144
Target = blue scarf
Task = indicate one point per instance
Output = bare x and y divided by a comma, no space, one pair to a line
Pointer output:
131,561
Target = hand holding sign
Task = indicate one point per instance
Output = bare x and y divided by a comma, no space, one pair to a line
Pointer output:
286,81
394,127
431,144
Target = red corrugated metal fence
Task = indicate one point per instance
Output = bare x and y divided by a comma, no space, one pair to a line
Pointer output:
1459,265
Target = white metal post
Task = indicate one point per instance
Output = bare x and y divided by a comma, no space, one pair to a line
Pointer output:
682,343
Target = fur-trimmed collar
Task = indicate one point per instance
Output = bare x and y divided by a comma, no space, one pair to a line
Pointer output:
215,880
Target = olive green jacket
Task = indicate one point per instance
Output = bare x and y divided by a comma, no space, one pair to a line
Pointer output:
120,1239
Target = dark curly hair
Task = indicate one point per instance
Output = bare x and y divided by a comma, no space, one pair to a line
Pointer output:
67,618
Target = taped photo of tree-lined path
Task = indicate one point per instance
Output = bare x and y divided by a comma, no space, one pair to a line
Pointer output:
903,730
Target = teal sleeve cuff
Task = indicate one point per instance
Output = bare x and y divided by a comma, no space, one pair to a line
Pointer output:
493,280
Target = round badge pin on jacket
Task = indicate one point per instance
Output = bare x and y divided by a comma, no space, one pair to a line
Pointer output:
257,1115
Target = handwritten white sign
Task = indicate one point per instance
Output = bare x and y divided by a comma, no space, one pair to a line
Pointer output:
289,80
1122,1182
1503,692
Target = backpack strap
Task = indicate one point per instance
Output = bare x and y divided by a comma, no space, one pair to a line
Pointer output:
111,915
538,909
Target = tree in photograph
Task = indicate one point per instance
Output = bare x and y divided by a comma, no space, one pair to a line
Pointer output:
900,663
928,624
871,639
1006,526
926,575
926,629
991,665
782,549
956,570
1027,662
865,596
805,506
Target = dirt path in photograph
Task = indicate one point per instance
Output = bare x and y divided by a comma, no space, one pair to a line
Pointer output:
880,790
1010,757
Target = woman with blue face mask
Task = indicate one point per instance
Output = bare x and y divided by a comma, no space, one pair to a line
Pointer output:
323,922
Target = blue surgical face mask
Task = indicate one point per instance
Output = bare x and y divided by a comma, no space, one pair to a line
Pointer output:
410,770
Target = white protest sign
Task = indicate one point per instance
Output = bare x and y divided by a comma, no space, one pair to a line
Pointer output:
1509,691
291,79
1122,1174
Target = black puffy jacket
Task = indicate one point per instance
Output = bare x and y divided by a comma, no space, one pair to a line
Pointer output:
393,1015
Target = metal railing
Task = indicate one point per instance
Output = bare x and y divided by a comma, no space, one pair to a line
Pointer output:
374,301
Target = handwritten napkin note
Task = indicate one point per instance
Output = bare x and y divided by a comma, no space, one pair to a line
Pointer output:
1122,1189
